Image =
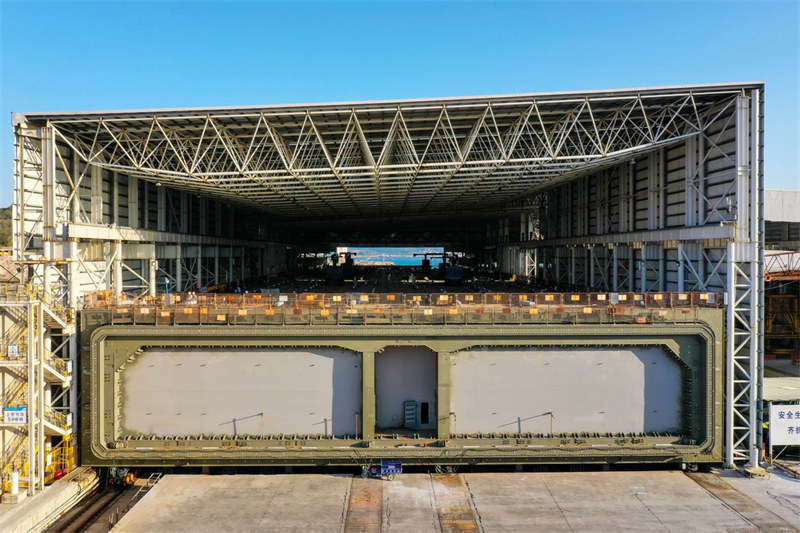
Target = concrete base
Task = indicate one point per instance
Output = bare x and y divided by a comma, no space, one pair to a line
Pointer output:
35,513
511,502
14,498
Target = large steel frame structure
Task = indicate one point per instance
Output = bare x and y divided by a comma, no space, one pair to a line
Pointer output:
638,190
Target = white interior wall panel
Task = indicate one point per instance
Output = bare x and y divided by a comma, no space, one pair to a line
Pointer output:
596,390
267,391
404,373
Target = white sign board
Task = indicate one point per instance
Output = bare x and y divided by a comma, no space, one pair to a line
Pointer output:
13,351
15,415
784,424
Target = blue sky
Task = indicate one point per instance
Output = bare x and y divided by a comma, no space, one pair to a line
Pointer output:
70,56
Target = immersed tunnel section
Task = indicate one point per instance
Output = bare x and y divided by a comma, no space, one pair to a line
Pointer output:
328,379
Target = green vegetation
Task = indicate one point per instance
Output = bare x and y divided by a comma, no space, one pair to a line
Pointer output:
5,226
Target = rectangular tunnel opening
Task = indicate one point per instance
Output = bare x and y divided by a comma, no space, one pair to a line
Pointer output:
405,391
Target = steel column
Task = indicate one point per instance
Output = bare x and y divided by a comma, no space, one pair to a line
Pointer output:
32,429
133,202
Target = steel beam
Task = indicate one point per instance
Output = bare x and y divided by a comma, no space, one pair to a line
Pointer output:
703,233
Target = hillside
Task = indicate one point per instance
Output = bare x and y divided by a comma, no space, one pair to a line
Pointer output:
5,227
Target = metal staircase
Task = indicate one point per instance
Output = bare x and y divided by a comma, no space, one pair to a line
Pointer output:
36,380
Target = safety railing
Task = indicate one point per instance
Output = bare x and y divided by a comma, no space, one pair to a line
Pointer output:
58,419
17,293
18,353
56,363
105,300
399,309
63,458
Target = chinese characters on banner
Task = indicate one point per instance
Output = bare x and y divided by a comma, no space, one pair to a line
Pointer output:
784,424
15,415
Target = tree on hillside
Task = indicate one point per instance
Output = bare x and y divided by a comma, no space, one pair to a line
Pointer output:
5,226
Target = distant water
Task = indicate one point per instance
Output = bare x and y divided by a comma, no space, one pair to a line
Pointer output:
398,256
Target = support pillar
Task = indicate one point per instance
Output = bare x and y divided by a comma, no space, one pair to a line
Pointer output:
153,270
203,207
31,402
161,223
39,396
691,181
115,198
523,227
133,202
557,253
96,174
216,265
445,417
184,212
199,268
631,270
116,279
178,268
231,277
643,270
75,204
367,395
572,260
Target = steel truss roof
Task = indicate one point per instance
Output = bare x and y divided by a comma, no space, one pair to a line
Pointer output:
389,158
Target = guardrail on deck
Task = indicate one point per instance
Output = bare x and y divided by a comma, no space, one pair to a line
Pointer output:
397,309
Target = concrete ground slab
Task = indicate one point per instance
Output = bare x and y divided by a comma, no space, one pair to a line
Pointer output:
599,501
290,503
409,504
778,492
487,502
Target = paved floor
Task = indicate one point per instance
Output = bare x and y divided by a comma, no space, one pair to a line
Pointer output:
781,367
779,492
506,502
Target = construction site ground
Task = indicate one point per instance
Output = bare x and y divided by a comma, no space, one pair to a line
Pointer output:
724,501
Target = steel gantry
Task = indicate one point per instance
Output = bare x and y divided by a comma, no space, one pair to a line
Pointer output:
637,190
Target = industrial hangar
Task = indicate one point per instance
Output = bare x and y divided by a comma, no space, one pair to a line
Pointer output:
609,311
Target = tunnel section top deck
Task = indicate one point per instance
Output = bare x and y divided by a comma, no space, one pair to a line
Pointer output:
396,308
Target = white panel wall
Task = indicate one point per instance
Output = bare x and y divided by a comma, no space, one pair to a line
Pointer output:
191,392
404,373
603,390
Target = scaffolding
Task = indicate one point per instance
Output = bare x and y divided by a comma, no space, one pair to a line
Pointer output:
37,423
